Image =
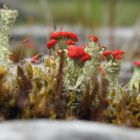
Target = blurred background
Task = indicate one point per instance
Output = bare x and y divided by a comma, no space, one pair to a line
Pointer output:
116,22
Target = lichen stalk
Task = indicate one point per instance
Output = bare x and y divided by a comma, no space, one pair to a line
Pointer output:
112,69
90,68
7,19
134,83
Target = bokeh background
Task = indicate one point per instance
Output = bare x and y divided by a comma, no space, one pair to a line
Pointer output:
116,22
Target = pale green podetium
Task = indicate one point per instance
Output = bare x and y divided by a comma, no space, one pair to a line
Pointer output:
112,69
78,74
134,83
90,69
7,19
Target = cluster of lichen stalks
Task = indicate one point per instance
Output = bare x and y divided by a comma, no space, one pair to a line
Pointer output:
67,84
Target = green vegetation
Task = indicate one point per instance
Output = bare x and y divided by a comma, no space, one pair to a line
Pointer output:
87,12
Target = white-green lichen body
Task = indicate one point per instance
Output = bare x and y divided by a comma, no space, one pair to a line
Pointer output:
90,68
72,73
135,80
7,19
112,69
80,74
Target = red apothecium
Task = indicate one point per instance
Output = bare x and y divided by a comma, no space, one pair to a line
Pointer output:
75,52
60,35
51,43
117,52
137,63
70,42
107,53
93,38
85,57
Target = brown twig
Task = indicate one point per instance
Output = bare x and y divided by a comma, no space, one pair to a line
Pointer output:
98,111
85,107
59,102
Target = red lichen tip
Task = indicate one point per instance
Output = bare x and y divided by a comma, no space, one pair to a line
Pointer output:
85,57
75,52
107,53
60,35
93,38
137,63
72,52
51,43
54,35
80,51
72,36
70,42
117,52
119,57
